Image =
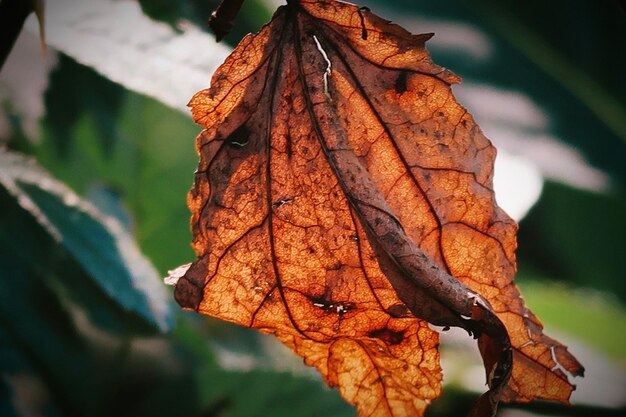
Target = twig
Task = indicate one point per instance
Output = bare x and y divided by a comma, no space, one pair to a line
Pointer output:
221,21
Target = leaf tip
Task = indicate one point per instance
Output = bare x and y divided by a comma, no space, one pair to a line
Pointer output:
189,279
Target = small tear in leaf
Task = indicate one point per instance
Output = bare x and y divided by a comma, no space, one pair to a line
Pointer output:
327,72
235,144
557,365
239,138
281,202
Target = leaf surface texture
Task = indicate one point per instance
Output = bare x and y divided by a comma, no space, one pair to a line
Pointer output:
344,200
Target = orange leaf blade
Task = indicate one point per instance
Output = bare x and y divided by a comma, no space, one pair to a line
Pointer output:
343,199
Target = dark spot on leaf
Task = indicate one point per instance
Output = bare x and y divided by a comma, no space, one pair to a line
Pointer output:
388,336
289,149
226,170
335,267
401,83
398,310
335,307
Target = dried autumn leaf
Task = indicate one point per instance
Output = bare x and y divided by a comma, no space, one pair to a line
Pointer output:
344,200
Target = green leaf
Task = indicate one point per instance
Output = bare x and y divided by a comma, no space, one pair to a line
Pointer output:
120,42
20,387
97,242
533,29
35,325
260,393
150,169
58,326
82,92
267,379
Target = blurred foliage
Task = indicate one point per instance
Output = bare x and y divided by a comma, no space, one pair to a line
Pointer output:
594,310
98,244
73,339
555,228
69,83
252,15
147,165
72,346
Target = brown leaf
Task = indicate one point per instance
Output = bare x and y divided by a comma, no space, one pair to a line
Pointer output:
343,200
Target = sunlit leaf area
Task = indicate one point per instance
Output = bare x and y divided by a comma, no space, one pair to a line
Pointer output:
97,154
